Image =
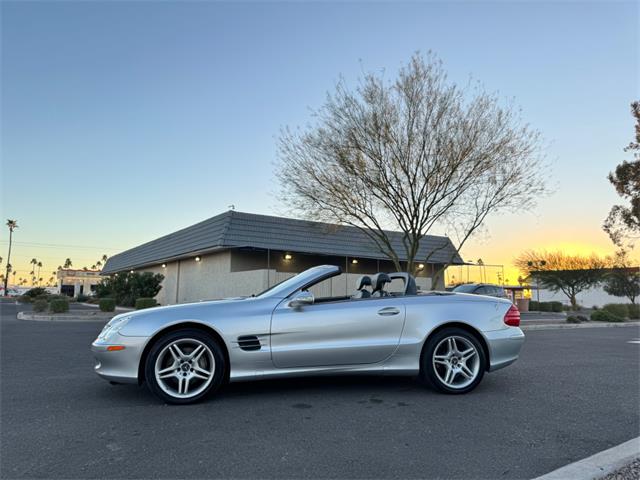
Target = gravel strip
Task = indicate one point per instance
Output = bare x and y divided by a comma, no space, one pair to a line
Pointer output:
628,472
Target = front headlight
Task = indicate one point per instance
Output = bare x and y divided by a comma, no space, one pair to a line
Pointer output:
115,325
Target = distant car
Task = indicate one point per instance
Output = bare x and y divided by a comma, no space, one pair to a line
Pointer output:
481,289
183,352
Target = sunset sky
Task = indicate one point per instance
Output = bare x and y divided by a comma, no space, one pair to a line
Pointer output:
124,121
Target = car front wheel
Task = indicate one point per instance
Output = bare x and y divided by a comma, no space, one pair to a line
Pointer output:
453,361
185,365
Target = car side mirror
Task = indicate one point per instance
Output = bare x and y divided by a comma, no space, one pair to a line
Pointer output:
301,299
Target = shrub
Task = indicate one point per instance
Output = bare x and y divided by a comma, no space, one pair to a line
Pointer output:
634,311
573,319
555,306
107,304
618,309
605,316
59,305
544,307
35,292
145,302
40,305
126,287
57,297
24,299
595,307
533,306
82,298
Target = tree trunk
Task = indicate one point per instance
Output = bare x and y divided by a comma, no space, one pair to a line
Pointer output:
574,302
6,277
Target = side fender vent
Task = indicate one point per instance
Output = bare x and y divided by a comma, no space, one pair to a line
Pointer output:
249,343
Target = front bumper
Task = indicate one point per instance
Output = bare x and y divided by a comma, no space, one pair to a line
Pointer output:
119,366
504,346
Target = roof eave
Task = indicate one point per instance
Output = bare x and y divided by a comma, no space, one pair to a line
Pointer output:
175,258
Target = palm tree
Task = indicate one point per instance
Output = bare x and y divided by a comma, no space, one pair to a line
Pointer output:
33,262
67,263
12,225
39,267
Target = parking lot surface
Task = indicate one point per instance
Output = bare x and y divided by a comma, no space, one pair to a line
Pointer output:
572,393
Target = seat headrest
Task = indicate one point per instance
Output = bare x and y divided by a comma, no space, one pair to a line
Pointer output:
363,281
379,280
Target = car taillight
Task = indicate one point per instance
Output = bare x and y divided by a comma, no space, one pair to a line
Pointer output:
512,317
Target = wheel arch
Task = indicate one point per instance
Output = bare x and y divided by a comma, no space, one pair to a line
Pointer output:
464,326
180,326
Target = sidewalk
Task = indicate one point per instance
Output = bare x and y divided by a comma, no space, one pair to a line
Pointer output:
553,320
71,316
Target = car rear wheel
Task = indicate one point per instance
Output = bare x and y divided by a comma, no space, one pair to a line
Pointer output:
184,366
453,361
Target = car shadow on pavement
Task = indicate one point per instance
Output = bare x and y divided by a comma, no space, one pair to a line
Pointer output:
302,388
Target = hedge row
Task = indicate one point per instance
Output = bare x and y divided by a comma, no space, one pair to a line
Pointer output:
545,306
605,316
623,310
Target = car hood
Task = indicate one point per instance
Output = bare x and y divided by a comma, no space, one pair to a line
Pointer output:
142,322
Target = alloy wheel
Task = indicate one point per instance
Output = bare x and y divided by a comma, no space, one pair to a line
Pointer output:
456,362
184,368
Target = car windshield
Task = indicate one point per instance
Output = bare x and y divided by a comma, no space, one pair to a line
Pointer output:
309,275
272,287
468,288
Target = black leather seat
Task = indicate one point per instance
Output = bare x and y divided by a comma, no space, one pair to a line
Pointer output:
379,280
362,282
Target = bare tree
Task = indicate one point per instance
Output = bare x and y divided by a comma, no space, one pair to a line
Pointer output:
415,154
561,272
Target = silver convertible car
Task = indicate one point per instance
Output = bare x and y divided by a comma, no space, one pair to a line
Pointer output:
184,352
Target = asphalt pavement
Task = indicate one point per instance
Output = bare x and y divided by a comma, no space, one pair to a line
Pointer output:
573,393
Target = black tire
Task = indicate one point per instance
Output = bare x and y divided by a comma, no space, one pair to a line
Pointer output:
428,371
185,334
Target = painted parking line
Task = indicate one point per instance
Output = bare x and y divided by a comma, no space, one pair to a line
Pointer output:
635,340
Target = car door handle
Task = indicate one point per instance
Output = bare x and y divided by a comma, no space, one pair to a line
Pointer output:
389,311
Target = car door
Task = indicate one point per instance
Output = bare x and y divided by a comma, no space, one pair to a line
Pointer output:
346,332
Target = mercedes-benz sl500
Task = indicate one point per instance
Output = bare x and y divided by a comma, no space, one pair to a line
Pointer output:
185,352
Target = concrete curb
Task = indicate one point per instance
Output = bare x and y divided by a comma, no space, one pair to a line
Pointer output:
598,465
118,309
563,326
45,317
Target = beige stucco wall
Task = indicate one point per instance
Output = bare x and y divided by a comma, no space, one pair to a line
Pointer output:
234,273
